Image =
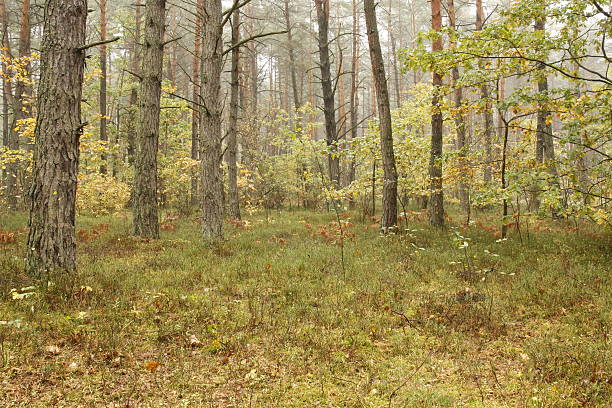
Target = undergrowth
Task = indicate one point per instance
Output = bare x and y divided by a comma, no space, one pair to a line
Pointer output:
273,318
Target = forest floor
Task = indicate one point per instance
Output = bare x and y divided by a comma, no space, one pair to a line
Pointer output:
281,315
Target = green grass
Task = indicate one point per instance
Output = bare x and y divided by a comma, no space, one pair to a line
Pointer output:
272,318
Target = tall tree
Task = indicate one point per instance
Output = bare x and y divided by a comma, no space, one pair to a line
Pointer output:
388,221
103,82
210,121
133,101
51,239
488,112
9,137
146,222
21,105
354,96
232,135
195,114
459,115
329,105
436,199
394,59
545,148
297,99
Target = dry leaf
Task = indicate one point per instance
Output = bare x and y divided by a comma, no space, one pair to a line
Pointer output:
152,366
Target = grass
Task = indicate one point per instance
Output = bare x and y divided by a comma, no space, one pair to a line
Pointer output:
273,318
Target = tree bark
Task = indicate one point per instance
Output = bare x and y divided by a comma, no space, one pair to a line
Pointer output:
210,122
388,222
146,221
436,200
329,105
232,135
51,239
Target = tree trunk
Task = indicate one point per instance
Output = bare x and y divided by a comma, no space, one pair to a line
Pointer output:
134,64
329,105
25,51
21,107
51,239
10,137
388,222
210,122
394,61
103,73
232,135
488,112
459,119
354,97
297,100
146,221
545,148
195,114
436,201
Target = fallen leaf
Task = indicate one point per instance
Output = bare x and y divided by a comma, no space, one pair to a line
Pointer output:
152,366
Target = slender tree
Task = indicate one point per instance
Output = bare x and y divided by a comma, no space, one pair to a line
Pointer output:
297,99
195,114
389,215
210,121
488,112
103,82
459,116
329,104
9,135
133,101
232,135
354,96
436,199
146,222
545,148
51,239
